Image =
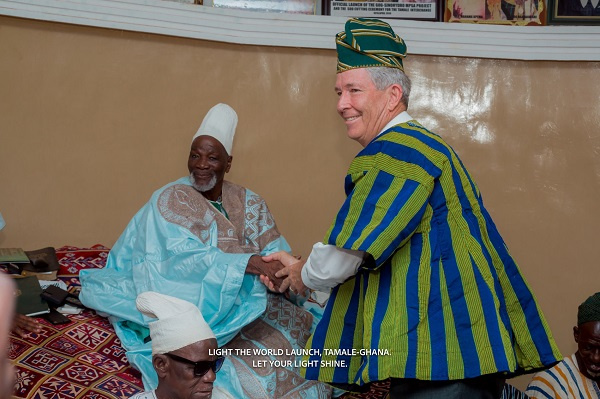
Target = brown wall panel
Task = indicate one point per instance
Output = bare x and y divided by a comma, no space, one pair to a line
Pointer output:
92,121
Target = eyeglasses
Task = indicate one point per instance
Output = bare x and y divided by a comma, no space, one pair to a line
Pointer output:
201,367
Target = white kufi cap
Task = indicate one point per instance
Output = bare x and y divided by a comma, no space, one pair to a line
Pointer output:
220,122
179,323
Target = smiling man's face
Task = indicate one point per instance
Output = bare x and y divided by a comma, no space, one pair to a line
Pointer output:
587,336
208,162
361,105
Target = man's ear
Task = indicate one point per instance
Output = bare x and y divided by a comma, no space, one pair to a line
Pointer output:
229,159
576,334
395,99
161,365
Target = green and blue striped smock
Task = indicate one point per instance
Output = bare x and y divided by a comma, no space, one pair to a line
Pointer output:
442,298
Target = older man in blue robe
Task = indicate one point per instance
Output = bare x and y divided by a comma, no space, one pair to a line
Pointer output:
200,239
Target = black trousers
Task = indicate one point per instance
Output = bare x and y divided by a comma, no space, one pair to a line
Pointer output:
484,387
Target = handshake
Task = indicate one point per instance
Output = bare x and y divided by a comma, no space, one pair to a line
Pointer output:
279,271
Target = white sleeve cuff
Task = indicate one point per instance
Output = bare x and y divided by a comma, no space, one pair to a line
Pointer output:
328,266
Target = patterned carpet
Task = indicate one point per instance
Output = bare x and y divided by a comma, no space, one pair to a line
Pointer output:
377,390
81,359
84,358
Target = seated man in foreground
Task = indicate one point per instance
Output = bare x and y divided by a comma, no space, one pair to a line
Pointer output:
183,347
199,239
578,375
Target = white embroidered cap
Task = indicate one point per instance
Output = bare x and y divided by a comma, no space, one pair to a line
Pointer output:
179,323
220,122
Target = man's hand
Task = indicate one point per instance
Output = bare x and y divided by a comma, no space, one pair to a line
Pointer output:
292,272
23,325
257,265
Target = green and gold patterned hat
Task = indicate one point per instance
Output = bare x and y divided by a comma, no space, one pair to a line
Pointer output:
369,43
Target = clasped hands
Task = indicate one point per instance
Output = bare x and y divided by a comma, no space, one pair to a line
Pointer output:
281,271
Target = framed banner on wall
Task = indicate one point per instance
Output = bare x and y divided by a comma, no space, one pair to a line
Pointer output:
573,12
272,6
502,12
423,10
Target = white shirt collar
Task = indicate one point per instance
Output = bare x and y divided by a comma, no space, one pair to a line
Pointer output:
400,118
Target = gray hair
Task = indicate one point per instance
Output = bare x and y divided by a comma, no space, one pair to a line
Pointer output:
383,77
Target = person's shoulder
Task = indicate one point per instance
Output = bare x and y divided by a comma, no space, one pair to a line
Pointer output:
566,363
570,361
409,139
411,131
219,393
405,146
544,382
233,186
184,181
144,395
236,188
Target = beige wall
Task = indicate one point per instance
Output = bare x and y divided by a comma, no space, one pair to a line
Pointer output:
92,121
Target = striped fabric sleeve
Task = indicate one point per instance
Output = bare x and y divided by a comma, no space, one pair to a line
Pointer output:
379,215
561,381
541,388
510,392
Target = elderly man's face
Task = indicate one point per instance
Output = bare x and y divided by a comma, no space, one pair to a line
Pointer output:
177,379
587,337
361,105
208,163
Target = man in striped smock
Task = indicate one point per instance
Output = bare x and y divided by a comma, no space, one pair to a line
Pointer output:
578,375
423,288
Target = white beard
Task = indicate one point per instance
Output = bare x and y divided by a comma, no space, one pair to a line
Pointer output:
204,187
